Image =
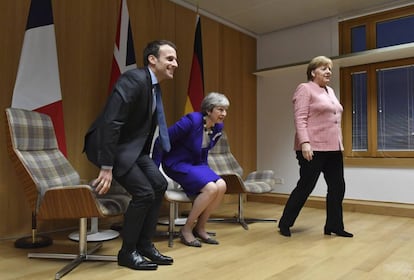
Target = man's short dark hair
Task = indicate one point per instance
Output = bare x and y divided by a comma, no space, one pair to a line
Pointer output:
153,48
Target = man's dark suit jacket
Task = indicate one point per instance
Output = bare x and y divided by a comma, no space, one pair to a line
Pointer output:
125,127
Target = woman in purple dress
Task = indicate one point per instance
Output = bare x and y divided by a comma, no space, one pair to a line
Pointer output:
186,163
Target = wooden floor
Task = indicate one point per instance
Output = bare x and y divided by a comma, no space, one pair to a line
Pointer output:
382,248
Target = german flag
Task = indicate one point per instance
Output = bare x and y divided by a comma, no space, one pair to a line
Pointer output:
195,93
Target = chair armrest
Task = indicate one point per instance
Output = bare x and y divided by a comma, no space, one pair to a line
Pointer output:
234,183
115,201
69,202
115,188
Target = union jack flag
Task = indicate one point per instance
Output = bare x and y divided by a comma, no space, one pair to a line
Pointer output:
124,53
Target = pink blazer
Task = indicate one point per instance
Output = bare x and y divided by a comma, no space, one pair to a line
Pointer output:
317,118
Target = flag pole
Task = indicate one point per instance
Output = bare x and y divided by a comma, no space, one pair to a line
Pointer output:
195,92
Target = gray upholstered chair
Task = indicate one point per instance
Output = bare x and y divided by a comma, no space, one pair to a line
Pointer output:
52,186
222,161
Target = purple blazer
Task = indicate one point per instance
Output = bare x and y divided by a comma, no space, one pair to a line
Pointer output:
186,137
317,118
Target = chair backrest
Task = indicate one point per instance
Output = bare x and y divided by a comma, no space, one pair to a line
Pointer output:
34,151
221,160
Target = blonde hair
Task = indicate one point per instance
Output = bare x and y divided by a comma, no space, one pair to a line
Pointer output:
317,62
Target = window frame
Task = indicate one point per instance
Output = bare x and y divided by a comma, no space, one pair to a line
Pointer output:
370,21
371,157
372,103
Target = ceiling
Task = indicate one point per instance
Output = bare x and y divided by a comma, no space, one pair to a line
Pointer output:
258,17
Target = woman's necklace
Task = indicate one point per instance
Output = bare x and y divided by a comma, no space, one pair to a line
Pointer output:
209,130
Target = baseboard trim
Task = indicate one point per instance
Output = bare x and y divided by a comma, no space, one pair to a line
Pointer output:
351,205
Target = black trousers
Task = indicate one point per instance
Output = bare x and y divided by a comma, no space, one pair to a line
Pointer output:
332,167
147,186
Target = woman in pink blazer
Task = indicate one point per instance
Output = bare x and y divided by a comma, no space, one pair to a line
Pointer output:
318,146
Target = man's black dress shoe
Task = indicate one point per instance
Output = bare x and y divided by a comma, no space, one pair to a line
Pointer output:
134,260
342,232
285,231
155,256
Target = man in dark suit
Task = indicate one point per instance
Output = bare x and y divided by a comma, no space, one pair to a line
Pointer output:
119,143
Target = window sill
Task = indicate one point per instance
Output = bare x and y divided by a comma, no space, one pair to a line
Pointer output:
358,58
379,162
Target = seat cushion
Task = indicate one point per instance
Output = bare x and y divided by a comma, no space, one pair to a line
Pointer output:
115,201
113,204
257,187
177,196
267,176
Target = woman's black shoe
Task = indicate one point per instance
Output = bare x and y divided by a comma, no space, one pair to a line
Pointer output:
342,232
208,240
285,231
193,243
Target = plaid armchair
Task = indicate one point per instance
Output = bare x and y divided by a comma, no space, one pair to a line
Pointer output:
222,161
51,184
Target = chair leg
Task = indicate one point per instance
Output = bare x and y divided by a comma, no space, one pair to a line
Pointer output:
95,235
83,255
35,240
239,217
171,221
171,224
250,220
178,221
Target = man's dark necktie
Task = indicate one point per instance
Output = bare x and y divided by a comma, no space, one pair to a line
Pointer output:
162,124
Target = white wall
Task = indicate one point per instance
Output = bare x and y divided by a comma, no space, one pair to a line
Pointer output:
275,114
298,44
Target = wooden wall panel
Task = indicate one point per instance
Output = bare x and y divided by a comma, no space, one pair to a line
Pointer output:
85,33
212,55
239,84
84,30
15,215
248,106
185,24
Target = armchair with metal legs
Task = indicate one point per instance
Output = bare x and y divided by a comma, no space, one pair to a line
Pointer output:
221,160
52,186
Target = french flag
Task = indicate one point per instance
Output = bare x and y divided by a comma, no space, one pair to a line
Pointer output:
37,86
124,52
